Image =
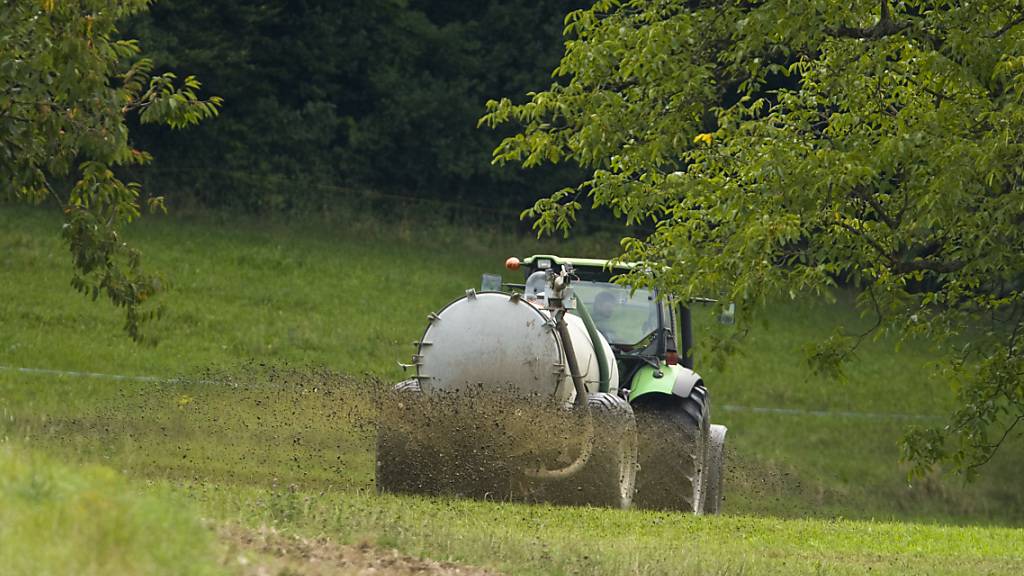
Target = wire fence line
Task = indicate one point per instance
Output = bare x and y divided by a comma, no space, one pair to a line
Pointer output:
779,411
827,413
78,374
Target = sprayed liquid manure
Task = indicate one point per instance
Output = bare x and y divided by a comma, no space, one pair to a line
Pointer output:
299,431
304,429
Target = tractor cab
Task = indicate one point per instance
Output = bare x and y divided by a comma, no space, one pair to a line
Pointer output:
633,320
643,327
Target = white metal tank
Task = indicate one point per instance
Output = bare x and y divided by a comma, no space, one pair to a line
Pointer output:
498,341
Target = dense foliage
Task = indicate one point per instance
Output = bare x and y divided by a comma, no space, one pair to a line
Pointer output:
783,146
67,84
324,97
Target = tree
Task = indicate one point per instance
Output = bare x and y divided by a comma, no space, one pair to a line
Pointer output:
332,96
781,147
67,85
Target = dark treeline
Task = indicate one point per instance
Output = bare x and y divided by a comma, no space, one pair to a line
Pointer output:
323,98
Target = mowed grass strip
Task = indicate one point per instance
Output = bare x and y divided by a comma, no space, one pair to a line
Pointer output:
538,539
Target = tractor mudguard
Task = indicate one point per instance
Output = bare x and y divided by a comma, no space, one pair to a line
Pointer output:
676,379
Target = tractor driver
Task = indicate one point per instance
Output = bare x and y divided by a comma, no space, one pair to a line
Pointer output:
605,304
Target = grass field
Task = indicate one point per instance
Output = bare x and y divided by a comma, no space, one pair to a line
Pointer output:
330,309
90,521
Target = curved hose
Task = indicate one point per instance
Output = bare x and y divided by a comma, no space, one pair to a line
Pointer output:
587,449
603,371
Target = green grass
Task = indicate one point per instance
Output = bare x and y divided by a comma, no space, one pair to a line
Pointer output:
845,462
90,521
350,296
332,308
521,539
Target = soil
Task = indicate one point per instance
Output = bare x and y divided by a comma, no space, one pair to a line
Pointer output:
267,552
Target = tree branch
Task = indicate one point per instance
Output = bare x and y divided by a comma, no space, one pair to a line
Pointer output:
1008,26
859,338
992,448
871,242
889,221
53,195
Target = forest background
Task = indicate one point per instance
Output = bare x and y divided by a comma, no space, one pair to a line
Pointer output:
325,100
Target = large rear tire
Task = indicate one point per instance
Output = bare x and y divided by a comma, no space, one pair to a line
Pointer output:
608,478
674,451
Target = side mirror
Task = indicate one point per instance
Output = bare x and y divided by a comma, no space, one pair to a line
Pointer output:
728,316
490,283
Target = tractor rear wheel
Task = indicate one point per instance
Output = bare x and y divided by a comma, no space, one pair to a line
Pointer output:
609,476
674,451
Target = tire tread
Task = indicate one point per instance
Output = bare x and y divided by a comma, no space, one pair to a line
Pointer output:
668,467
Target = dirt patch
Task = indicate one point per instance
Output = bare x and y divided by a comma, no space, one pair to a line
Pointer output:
267,552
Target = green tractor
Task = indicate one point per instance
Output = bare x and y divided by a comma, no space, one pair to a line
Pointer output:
567,388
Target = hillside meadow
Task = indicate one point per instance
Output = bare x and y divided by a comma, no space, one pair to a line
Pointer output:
256,406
